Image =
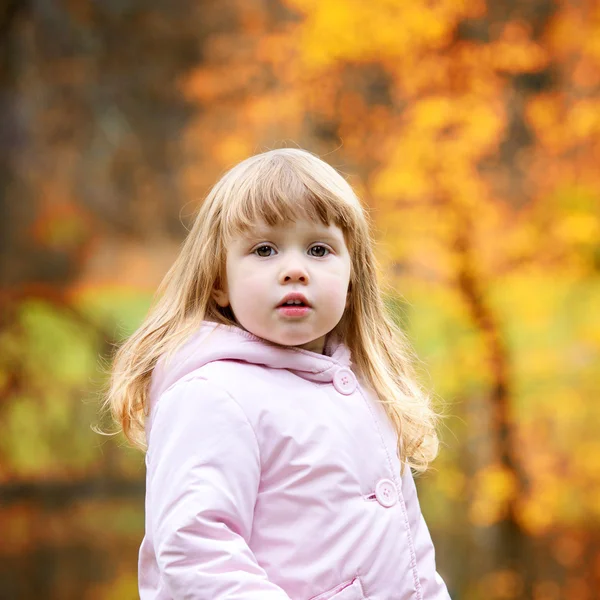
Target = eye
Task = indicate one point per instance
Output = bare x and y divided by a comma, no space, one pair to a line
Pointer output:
321,251
263,251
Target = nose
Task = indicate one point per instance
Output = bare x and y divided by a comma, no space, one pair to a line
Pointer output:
294,271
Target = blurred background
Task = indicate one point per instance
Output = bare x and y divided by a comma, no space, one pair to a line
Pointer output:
470,129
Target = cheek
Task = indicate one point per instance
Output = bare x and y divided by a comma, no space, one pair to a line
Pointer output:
335,289
246,288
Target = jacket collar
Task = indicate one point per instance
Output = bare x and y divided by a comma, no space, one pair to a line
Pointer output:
215,341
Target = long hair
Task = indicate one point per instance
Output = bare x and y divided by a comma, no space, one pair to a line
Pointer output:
276,186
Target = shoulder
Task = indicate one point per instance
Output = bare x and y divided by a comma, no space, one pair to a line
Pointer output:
197,406
198,394
247,383
219,383
197,390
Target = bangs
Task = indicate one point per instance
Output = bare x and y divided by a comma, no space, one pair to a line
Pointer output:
275,193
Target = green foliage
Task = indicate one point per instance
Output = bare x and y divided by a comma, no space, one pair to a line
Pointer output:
118,310
47,425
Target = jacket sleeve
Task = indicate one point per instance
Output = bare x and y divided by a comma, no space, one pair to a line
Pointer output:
203,478
432,585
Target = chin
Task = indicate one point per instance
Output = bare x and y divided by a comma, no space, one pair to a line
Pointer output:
290,340
287,341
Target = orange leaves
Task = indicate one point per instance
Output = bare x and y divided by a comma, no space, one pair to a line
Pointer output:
502,584
203,85
544,115
61,226
575,31
537,514
475,136
563,124
566,121
584,120
515,51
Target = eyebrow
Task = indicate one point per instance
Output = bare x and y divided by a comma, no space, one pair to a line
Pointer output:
324,236
267,233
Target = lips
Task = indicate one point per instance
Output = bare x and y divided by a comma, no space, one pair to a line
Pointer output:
294,297
293,311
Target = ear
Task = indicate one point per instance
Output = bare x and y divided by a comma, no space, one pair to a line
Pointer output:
220,296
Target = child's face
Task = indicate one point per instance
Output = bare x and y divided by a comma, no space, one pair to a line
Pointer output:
268,263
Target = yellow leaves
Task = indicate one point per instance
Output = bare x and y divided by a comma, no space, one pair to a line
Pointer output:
578,228
451,482
402,179
432,113
352,30
586,464
515,52
422,236
541,508
493,488
552,404
438,141
124,584
443,135
555,382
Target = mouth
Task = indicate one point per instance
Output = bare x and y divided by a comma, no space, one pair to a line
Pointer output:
294,305
293,310
294,300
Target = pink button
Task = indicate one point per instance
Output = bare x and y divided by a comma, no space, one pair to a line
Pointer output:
344,381
385,492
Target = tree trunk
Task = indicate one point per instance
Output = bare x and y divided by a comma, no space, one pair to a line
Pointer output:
510,553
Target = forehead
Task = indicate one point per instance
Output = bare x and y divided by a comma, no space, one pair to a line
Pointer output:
300,226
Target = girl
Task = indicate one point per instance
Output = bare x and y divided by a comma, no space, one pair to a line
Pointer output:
277,405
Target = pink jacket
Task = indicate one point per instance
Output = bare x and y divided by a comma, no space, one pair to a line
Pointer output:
272,474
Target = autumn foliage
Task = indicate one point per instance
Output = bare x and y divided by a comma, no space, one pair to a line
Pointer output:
472,132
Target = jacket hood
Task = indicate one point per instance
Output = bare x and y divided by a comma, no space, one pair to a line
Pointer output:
215,341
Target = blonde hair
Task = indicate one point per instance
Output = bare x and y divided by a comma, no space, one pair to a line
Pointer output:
276,186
